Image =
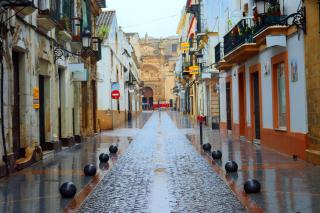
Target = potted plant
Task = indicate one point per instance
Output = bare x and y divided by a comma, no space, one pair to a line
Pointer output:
65,24
103,32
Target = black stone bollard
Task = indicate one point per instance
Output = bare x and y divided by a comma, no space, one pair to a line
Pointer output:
113,149
90,170
295,157
68,190
231,166
216,155
206,147
252,186
104,158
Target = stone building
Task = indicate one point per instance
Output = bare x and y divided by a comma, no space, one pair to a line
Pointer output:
312,49
117,67
158,63
47,103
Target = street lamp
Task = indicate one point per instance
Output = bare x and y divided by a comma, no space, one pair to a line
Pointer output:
86,39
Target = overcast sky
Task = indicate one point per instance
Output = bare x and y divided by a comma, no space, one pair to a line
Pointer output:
157,18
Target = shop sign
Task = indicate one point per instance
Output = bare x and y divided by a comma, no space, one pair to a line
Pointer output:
185,46
194,68
79,73
36,98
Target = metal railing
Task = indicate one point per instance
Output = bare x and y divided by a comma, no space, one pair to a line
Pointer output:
241,33
62,11
266,20
247,28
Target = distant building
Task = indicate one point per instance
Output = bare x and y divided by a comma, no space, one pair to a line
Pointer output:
118,66
158,59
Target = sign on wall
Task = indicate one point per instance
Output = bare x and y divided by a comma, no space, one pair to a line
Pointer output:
36,98
194,68
79,73
115,90
206,75
185,46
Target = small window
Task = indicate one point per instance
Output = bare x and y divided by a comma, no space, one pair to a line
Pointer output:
174,48
111,58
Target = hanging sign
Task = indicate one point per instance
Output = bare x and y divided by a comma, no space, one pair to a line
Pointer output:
185,46
79,73
194,68
36,98
115,90
194,73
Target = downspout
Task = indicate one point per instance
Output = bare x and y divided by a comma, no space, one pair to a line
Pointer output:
5,158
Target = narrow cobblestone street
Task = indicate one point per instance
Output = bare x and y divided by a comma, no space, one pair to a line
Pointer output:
160,167
161,172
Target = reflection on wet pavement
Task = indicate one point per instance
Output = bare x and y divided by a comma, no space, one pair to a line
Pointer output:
161,168
161,172
36,189
287,185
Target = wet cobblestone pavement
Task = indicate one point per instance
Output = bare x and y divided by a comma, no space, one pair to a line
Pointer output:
161,172
160,167
287,185
36,189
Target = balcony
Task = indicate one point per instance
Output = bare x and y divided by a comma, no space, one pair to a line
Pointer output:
269,25
23,8
46,14
240,34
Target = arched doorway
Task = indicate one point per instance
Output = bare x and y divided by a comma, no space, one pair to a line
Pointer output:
147,100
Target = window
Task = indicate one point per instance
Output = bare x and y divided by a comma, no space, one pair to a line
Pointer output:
111,59
86,22
281,89
174,48
117,74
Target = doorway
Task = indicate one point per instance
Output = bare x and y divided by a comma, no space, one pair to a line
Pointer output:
129,106
242,104
84,100
16,58
228,96
256,104
42,111
60,103
94,105
148,98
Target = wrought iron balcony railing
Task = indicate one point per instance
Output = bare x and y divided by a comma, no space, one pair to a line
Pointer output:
61,12
266,20
239,34
247,28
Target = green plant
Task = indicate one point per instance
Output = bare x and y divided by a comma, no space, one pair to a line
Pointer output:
65,24
103,31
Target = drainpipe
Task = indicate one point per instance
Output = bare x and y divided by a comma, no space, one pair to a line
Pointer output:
1,103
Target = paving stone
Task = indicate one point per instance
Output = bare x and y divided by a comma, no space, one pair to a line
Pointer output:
160,150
